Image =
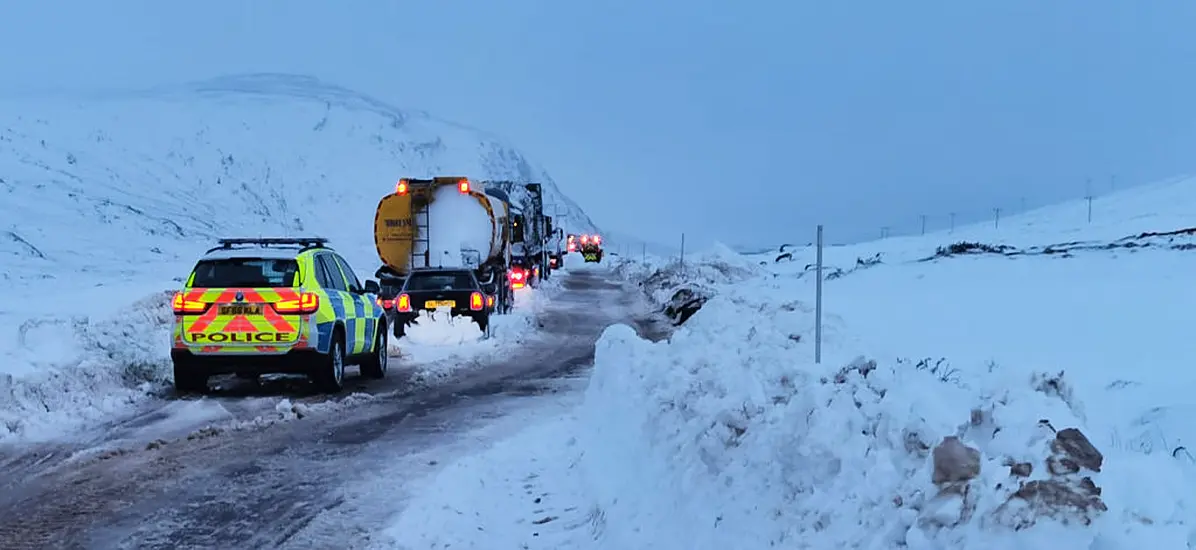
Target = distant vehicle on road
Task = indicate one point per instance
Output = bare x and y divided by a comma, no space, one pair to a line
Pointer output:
455,290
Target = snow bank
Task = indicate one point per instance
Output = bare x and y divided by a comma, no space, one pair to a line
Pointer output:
442,346
82,369
729,436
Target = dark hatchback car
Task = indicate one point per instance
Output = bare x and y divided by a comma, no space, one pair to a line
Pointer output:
429,289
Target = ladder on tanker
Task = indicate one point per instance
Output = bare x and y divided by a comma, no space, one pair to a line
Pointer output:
423,223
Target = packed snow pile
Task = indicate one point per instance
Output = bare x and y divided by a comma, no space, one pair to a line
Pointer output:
80,369
730,436
440,328
441,346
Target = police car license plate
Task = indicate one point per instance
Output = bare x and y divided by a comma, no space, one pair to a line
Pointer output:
433,304
241,310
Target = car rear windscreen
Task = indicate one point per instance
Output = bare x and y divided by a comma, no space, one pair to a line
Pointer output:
245,272
439,281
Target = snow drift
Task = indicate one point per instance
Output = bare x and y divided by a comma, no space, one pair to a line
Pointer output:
729,436
106,200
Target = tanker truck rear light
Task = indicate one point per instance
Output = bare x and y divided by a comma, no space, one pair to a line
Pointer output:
477,301
403,303
401,187
463,186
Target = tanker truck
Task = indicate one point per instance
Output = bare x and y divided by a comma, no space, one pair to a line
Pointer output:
444,222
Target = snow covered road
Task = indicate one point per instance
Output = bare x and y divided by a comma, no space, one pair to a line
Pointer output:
326,475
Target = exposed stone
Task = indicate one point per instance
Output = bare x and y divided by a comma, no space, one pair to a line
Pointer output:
1021,469
954,461
1075,445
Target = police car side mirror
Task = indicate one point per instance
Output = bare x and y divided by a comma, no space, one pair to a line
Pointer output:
371,287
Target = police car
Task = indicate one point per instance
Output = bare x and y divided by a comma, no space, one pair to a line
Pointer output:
276,305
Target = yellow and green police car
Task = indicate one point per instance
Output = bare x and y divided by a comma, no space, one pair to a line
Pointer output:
276,305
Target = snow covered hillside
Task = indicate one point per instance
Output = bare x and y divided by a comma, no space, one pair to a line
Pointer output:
105,201
970,396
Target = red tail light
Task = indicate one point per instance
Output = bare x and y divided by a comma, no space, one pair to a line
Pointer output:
401,187
585,239
182,305
597,239
385,304
463,186
307,303
403,304
477,301
490,301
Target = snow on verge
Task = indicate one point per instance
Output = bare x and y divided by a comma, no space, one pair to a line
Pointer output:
85,369
728,436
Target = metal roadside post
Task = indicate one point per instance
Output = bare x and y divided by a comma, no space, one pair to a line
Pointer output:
818,303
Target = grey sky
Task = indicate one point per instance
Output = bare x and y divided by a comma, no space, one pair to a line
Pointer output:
741,121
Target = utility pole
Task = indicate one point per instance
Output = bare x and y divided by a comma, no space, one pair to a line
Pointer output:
1089,198
996,218
818,304
644,252
953,222
923,224
683,250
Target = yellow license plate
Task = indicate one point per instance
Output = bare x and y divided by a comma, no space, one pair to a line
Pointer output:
247,309
433,304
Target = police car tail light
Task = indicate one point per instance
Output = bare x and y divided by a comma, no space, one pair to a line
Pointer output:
403,304
308,302
385,304
182,305
477,301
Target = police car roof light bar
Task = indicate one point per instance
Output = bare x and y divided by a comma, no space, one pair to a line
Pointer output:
306,242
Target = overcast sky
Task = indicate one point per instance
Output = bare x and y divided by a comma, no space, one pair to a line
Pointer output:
746,121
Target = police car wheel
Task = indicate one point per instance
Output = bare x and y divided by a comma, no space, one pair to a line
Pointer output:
375,366
330,376
188,380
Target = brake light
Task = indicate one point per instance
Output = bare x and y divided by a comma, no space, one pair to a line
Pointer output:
585,239
516,274
182,305
307,303
385,304
597,239
490,301
403,304
477,301
401,187
572,247
463,186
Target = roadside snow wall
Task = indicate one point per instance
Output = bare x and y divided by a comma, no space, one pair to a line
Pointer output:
727,436
83,369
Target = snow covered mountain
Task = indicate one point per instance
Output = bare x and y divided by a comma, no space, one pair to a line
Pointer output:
106,186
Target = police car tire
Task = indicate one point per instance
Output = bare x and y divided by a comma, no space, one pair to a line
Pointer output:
187,380
374,367
324,377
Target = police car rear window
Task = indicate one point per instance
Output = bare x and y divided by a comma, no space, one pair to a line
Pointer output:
439,281
245,272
